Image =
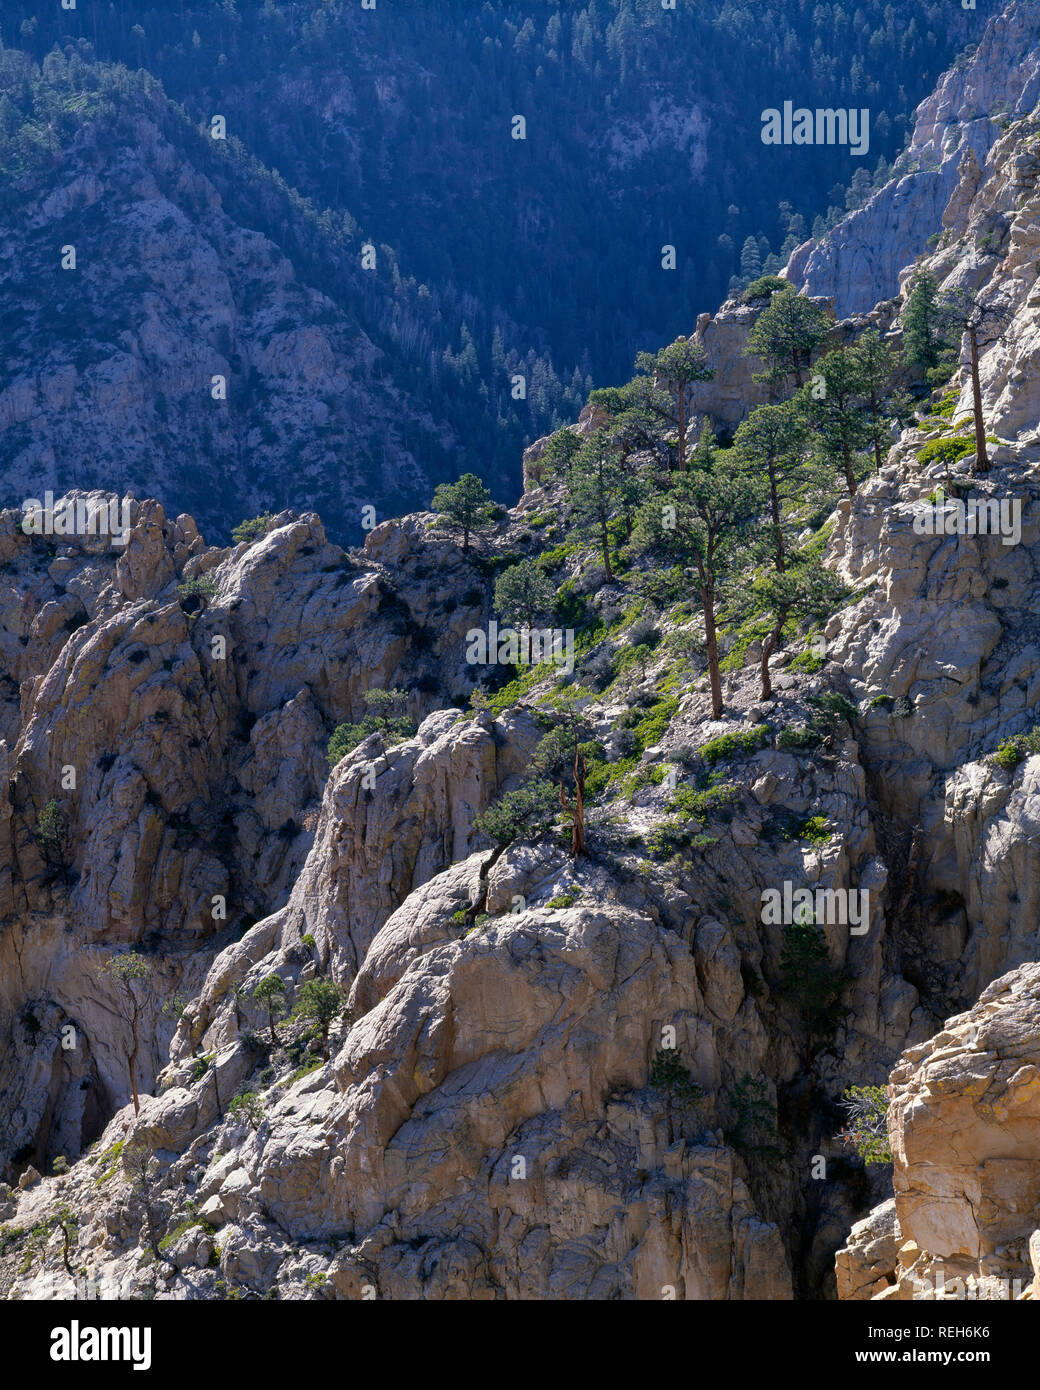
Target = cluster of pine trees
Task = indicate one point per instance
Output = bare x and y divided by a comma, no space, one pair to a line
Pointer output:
723,521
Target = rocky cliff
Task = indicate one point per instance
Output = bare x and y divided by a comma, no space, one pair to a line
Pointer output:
859,262
963,1121
546,1077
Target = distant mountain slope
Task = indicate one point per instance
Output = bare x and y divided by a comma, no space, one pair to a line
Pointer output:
537,257
858,262
114,369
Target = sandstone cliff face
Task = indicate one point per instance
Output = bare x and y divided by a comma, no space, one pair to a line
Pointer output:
860,260
965,1128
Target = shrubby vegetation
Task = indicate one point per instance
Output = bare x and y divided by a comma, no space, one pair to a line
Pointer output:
867,1130
384,715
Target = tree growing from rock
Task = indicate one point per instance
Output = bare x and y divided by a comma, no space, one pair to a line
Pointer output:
529,812
598,487
638,415
562,756
384,715
676,367
923,335
809,981
866,1130
785,337
670,1076
195,594
270,995
131,975
698,521
557,456
523,593
54,838
968,314
68,1223
875,368
805,591
141,1168
321,1000
834,406
465,506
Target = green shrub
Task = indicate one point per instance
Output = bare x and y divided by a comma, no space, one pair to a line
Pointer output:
567,899
867,1128
947,450
202,586
718,801
809,981
754,1130
247,1106
110,1157
1016,749
171,1237
667,1073
814,829
808,662
735,745
832,709
798,737
384,715
253,529
763,288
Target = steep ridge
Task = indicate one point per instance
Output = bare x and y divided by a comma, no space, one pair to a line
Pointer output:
963,1223
491,1119
184,752
183,332
859,262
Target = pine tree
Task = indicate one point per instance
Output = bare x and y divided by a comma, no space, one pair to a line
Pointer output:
465,505
809,981
750,260
835,407
522,593
599,485
698,520
875,365
772,440
270,995
922,320
786,335
675,368
805,591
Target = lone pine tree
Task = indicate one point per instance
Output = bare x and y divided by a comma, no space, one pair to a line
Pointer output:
698,521
131,975
465,506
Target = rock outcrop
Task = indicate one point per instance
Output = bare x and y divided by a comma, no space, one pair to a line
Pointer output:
964,1123
859,262
182,751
